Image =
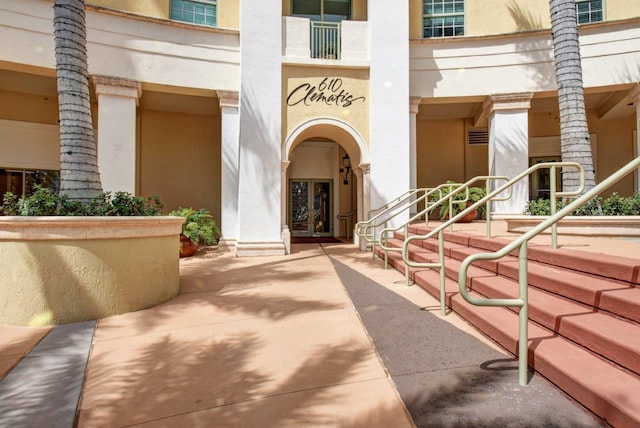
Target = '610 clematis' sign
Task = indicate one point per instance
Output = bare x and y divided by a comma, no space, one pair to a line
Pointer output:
329,91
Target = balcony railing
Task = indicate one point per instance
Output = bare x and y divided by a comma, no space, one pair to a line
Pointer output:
325,40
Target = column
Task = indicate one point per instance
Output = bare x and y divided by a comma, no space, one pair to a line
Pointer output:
360,215
230,135
259,186
366,197
635,95
116,138
284,190
509,146
414,103
389,92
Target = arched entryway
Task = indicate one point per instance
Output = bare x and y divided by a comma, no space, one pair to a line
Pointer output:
325,172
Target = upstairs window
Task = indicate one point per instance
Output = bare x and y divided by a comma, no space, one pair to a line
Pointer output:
201,12
322,10
589,11
443,18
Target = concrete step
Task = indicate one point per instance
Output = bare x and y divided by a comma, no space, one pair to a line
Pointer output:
578,340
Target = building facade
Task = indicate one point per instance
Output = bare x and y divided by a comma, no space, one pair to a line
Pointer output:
279,115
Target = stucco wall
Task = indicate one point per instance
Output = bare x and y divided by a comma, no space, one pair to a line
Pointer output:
353,82
440,151
180,159
66,273
491,17
154,8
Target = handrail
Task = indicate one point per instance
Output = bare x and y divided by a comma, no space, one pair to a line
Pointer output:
450,197
521,242
491,195
362,227
347,218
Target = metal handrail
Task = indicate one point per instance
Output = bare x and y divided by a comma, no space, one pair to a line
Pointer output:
347,218
450,197
362,227
507,187
521,242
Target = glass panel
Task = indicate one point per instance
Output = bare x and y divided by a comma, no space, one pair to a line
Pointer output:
300,207
321,207
196,12
306,9
337,10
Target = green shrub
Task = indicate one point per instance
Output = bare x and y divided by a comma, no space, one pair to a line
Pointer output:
475,194
614,205
44,202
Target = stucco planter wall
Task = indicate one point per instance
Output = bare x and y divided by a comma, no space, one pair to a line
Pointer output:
56,270
581,225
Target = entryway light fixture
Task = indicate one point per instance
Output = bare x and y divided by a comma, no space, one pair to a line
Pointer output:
346,163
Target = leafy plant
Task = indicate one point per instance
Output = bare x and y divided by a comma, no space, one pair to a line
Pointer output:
475,194
199,225
45,202
614,205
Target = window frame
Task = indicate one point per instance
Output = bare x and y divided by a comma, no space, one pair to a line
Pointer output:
213,3
322,14
463,14
602,3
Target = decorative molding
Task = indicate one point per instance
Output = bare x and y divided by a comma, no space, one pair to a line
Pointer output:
635,94
86,228
414,103
106,85
517,101
365,168
228,99
284,166
254,249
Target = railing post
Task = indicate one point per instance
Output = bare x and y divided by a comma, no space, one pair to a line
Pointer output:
523,317
552,192
443,301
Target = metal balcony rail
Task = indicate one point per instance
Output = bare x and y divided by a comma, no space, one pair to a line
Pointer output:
366,229
325,40
491,196
521,244
347,218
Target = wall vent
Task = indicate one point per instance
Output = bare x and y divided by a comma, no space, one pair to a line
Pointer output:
478,136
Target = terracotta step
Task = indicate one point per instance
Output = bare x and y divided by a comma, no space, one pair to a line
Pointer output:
593,381
587,340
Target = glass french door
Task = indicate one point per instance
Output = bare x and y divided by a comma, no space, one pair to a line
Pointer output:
310,207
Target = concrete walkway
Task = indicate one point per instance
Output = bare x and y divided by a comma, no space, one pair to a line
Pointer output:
324,336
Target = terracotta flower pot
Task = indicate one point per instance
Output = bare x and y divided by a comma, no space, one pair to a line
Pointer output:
469,217
187,247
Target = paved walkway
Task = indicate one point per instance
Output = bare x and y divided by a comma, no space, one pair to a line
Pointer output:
324,336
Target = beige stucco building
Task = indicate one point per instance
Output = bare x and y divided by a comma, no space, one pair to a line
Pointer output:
278,115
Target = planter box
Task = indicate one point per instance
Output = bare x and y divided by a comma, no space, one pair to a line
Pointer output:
57,270
580,225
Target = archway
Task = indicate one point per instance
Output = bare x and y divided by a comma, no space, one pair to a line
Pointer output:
348,140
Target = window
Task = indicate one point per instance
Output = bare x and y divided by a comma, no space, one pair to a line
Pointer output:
443,18
589,11
322,10
201,12
22,182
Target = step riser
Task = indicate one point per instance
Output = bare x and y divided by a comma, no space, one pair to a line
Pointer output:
564,335
611,295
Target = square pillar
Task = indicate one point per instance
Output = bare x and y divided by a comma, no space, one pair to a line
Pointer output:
509,146
116,138
259,185
230,137
389,92
414,103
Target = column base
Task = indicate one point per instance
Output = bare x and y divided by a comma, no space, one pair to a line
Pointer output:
256,249
227,244
286,238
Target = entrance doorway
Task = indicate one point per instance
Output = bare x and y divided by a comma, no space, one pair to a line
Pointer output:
310,207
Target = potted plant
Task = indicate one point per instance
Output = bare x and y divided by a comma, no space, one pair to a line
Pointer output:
198,229
475,194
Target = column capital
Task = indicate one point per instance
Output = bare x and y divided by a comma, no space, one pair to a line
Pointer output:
635,93
228,99
513,101
414,103
365,168
284,166
107,85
